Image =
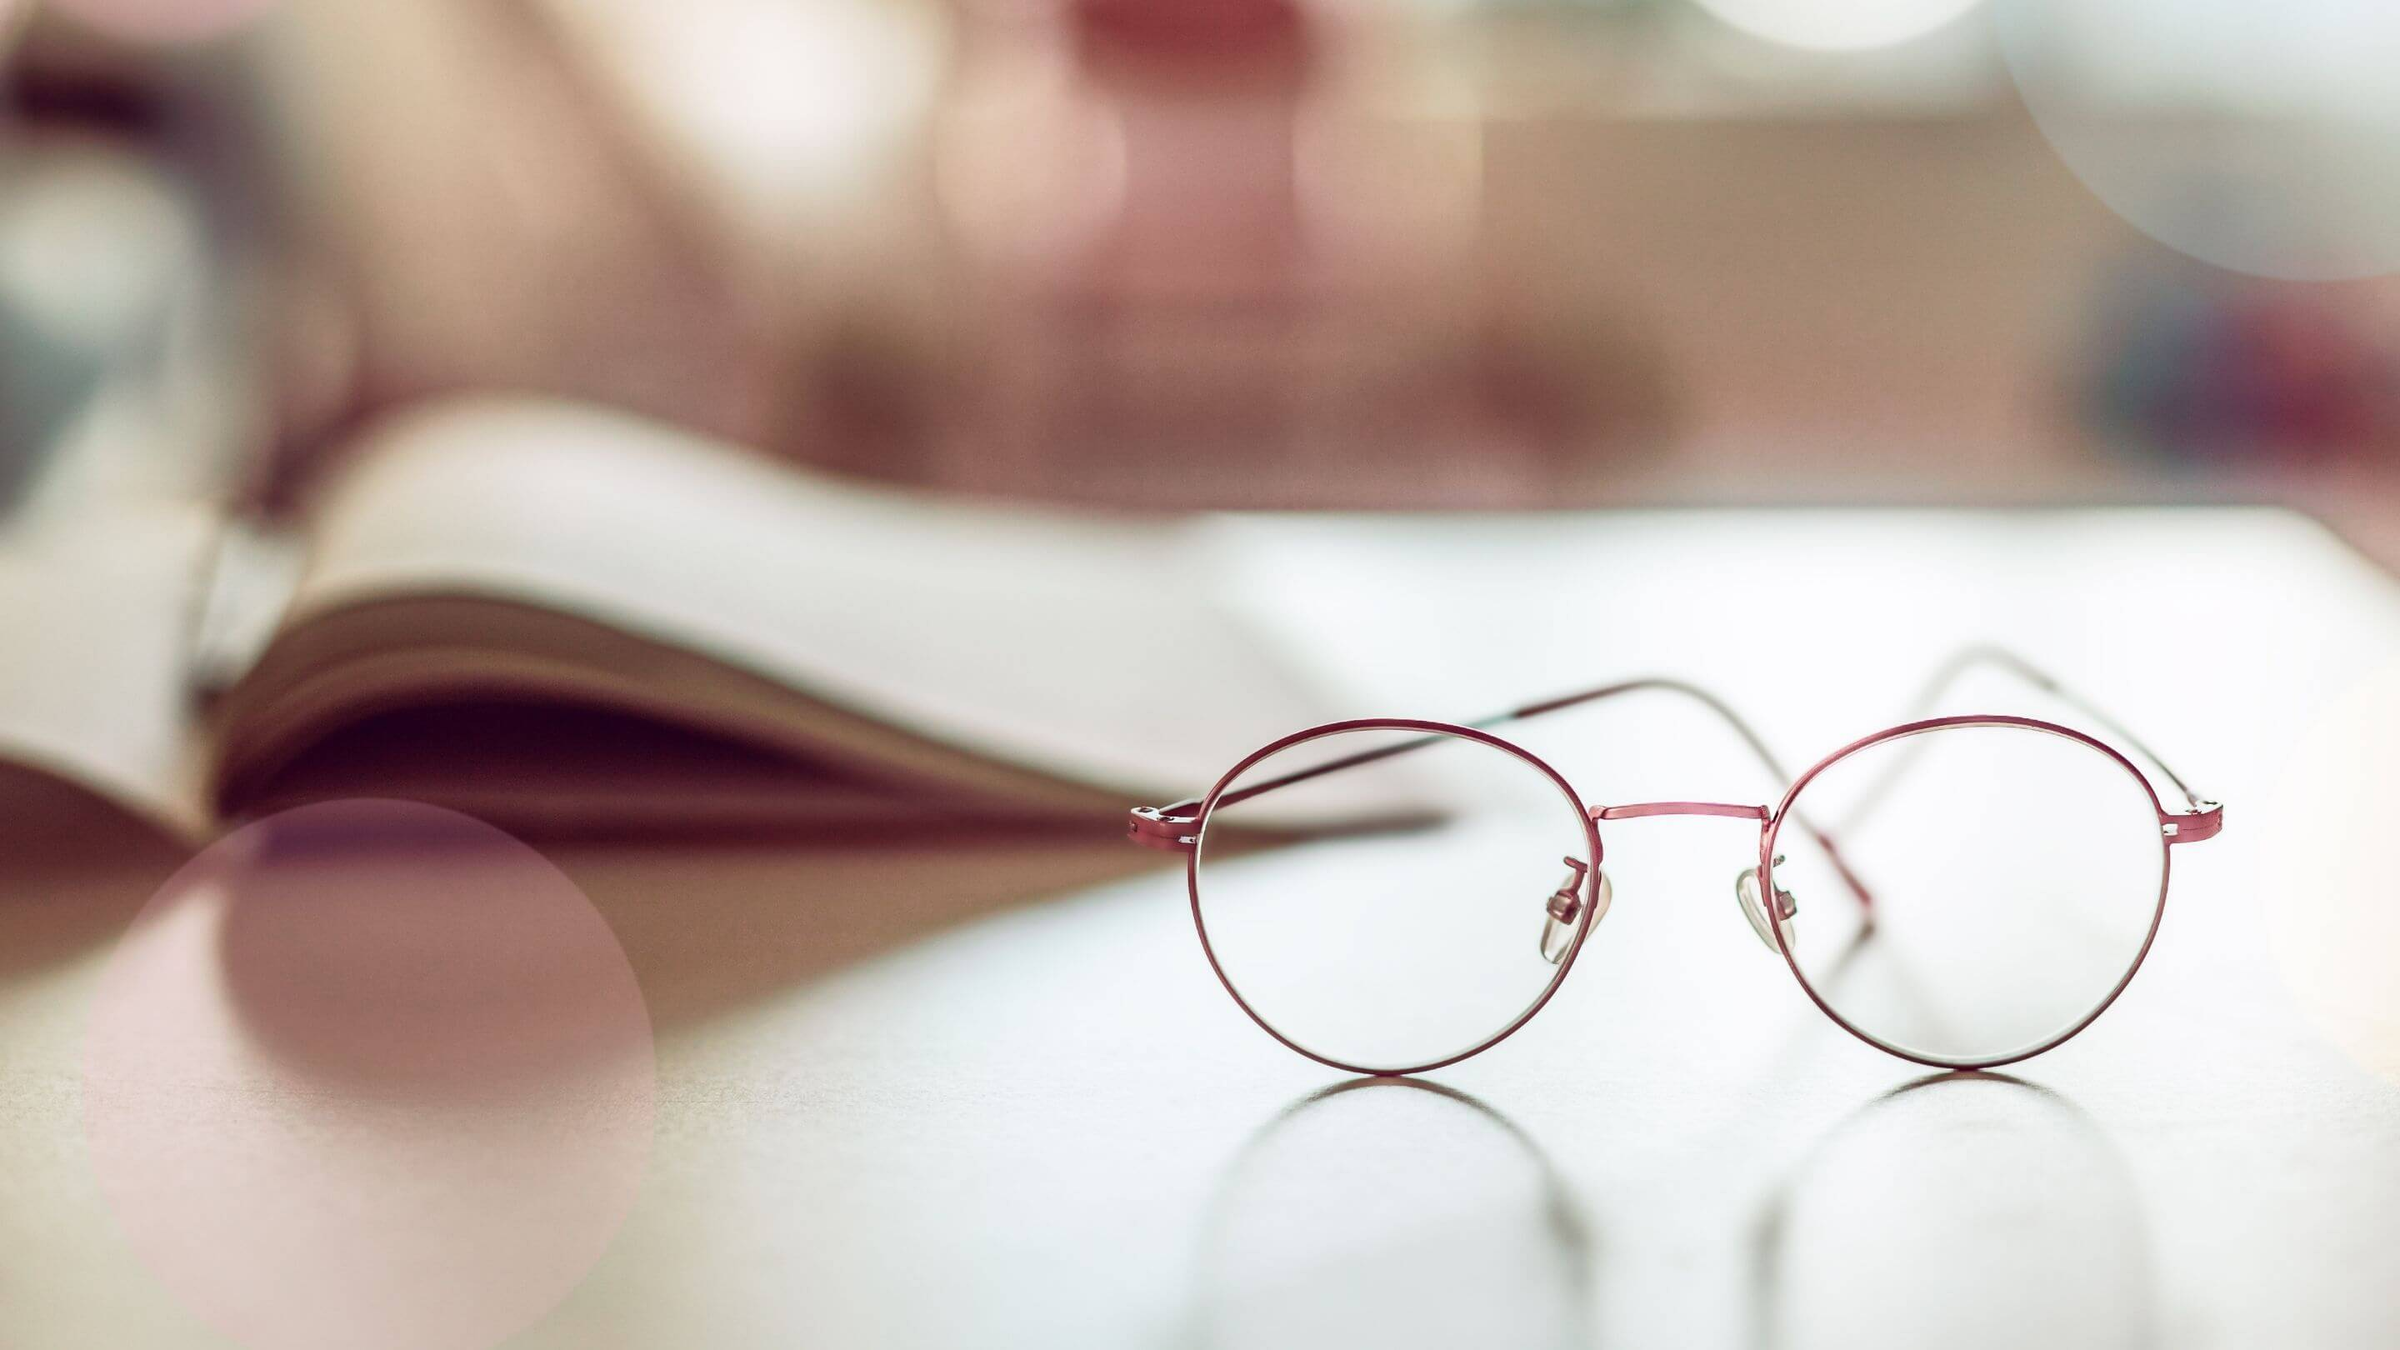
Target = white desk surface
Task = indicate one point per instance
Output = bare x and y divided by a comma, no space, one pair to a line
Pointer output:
984,1097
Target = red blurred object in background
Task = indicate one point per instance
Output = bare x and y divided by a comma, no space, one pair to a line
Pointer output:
1193,29
1225,252
2200,367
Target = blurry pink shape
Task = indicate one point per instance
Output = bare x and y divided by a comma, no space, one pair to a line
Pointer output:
162,20
369,1074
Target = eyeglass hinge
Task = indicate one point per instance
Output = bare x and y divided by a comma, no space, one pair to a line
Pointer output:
1152,827
2203,821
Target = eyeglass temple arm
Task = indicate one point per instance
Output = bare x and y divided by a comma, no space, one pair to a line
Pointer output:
1985,654
1190,804
1164,826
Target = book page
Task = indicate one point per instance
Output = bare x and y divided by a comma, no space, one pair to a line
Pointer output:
1071,649
98,611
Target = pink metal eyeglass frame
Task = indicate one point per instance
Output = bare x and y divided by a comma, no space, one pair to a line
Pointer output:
1178,827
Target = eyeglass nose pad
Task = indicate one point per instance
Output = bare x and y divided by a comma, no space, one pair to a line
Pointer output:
1565,906
1745,889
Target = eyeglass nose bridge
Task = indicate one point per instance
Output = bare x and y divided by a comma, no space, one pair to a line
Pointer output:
1637,810
1745,885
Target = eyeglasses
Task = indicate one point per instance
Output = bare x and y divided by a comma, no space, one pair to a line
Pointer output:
1996,882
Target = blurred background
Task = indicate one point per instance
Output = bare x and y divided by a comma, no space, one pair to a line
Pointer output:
1180,253
1173,255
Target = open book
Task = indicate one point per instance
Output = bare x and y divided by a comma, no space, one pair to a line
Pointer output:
563,620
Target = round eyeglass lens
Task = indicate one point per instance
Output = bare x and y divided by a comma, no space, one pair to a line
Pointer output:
1388,898
2014,877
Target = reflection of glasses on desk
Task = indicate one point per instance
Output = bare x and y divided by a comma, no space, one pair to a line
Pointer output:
1997,881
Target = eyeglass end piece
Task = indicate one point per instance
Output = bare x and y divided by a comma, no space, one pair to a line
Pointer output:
1153,827
2203,821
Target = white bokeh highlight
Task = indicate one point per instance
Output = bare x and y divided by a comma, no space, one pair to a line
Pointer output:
1838,25
2260,137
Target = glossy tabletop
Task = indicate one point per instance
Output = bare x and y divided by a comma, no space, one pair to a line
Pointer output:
991,1095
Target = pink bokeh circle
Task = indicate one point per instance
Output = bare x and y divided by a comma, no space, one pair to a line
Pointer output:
369,1074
